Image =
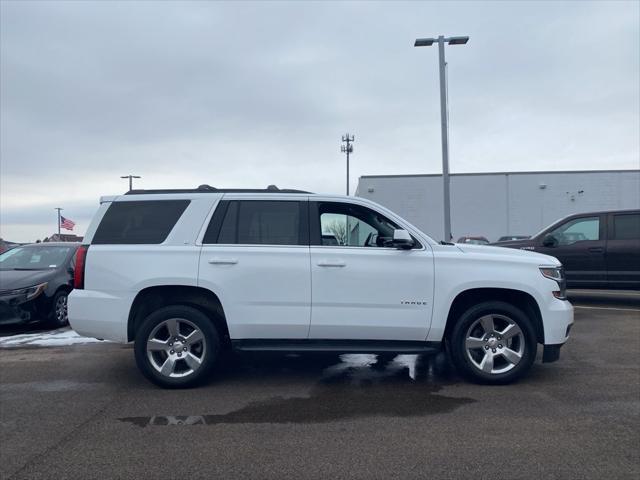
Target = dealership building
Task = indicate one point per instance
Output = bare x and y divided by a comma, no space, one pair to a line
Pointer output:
505,203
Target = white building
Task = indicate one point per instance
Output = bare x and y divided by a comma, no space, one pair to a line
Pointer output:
497,204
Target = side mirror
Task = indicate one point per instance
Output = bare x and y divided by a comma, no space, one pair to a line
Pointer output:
402,239
550,241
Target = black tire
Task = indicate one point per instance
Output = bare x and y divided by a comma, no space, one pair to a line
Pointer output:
209,344
466,361
57,318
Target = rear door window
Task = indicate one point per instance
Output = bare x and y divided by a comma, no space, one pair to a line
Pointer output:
626,227
139,222
258,222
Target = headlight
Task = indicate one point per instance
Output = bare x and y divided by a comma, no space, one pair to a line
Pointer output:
33,292
554,273
30,292
557,274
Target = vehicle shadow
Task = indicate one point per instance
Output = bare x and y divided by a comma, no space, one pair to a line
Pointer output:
350,368
348,386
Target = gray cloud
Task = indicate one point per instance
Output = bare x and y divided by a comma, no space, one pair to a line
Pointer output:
246,93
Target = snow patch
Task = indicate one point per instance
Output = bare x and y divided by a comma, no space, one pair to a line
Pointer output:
361,366
368,359
407,361
358,359
57,338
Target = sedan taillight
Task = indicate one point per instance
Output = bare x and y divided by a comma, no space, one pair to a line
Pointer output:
78,272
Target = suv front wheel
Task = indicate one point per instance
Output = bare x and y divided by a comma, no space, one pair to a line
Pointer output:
493,342
176,347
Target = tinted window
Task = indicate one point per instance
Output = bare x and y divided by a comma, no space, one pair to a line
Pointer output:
626,227
228,233
577,230
147,222
257,222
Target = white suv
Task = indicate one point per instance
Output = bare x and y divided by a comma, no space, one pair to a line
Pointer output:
186,274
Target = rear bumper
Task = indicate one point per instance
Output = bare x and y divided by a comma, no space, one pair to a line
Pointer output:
99,314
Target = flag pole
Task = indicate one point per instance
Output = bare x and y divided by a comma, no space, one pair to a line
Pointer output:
58,209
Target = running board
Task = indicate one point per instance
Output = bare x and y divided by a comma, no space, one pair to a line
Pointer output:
337,346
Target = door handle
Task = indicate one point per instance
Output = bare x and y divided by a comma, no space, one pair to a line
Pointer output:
329,263
223,261
596,249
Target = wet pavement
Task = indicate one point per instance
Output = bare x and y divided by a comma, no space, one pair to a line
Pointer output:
354,387
84,411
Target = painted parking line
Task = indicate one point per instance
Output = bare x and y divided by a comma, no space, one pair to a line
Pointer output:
609,308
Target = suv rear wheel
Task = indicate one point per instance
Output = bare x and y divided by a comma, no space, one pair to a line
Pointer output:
493,342
176,347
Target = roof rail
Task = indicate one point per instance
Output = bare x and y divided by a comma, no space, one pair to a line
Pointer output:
204,188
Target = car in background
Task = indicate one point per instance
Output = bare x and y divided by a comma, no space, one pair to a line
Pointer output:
4,245
508,238
597,249
473,240
35,281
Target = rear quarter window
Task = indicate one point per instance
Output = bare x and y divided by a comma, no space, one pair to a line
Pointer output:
139,222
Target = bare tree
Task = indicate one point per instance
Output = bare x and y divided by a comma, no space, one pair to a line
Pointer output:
339,230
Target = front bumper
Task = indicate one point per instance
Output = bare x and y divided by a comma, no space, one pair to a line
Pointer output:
558,320
557,317
15,312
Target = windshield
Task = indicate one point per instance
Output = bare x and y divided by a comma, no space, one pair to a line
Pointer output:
476,241
512,237
473,241
34,257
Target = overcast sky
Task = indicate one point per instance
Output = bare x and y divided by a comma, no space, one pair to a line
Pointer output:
250,94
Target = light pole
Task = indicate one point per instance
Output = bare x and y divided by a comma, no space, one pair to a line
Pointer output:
427,42
130,177
348,149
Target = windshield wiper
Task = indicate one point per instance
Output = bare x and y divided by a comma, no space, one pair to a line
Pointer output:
24,268
442,242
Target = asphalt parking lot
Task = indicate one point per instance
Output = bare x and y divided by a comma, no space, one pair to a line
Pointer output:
84,411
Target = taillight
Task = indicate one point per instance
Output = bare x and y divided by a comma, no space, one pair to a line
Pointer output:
78,272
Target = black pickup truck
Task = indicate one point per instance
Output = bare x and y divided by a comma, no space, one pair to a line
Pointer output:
597,249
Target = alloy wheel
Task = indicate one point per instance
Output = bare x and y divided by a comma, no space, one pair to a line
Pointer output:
61,311
176,348
494,344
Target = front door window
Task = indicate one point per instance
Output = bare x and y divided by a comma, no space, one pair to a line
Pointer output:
350,225
577,230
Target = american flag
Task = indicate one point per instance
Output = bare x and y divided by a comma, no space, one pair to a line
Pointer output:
66,223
